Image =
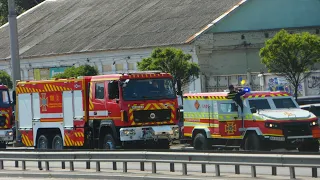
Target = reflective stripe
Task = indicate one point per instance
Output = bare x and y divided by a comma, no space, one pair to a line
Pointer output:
98,113
51,115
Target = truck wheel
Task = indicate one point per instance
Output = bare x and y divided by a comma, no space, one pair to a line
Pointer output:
43,142
252,142
57,142
3,145
309,146
108,142
200,142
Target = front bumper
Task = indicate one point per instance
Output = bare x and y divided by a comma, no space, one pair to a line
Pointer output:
6,135
289,139
170,132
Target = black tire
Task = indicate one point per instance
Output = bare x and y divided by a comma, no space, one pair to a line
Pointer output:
309,146
108,142
43,142
253,143
200,142
57,142
3,145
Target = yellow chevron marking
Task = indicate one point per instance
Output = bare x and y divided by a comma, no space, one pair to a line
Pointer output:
156,106
147,107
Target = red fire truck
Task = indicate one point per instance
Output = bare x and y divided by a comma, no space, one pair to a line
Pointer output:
268,120
6,117
105,111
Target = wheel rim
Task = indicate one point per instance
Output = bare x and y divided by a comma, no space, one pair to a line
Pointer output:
108,144
43,143
57,143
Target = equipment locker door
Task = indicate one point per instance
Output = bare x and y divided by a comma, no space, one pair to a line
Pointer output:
67,108
35,106
24,109
77,102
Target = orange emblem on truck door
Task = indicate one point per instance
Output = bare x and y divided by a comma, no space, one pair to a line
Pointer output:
44,102
230,128
196,105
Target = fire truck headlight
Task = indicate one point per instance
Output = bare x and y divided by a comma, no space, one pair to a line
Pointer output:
272,125
314,123
9,133
128,132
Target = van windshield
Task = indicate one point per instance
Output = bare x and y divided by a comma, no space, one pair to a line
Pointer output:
284,103
4,98
141,89
259,104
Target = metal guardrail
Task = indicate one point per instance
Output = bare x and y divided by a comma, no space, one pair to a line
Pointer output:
172,158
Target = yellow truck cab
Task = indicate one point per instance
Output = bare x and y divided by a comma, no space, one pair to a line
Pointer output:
269,120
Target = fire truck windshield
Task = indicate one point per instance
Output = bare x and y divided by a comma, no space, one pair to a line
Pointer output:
141,89
4,98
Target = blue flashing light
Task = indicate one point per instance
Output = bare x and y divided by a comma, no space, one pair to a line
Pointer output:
246,89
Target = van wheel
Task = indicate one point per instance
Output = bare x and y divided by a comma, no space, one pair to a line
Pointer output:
57,142
309,146
200,142
108,142
253,143
43,142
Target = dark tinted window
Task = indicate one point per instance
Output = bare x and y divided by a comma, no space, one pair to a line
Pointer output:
284,103
99,91
259,104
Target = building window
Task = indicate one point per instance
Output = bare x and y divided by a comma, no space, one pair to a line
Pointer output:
131,66
107,68
99,94
119,67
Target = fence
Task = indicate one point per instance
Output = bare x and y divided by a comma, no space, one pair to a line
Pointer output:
291,161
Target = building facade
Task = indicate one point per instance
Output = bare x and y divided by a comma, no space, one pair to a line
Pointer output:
225,43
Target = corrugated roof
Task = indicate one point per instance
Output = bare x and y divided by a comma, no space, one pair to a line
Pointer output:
71,26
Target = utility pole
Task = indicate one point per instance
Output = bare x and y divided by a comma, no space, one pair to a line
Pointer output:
14,50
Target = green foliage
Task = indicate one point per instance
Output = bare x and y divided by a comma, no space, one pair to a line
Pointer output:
5,79
173,61
83,70
21,6
291,55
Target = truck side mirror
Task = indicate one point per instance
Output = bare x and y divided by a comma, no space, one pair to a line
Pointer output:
14,97
312,108
253,110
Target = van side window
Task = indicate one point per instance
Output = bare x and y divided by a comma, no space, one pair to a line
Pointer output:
99,90
228,107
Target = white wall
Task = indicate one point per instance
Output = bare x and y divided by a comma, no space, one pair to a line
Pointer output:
124,59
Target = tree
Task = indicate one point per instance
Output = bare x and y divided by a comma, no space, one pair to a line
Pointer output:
173,61
5,79
292,56
83,70
21,6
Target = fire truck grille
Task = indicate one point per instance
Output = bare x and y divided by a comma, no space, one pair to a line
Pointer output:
2,121
296,129
152,115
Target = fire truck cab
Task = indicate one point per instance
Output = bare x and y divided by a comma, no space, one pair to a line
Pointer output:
104,111
269,120
6,117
